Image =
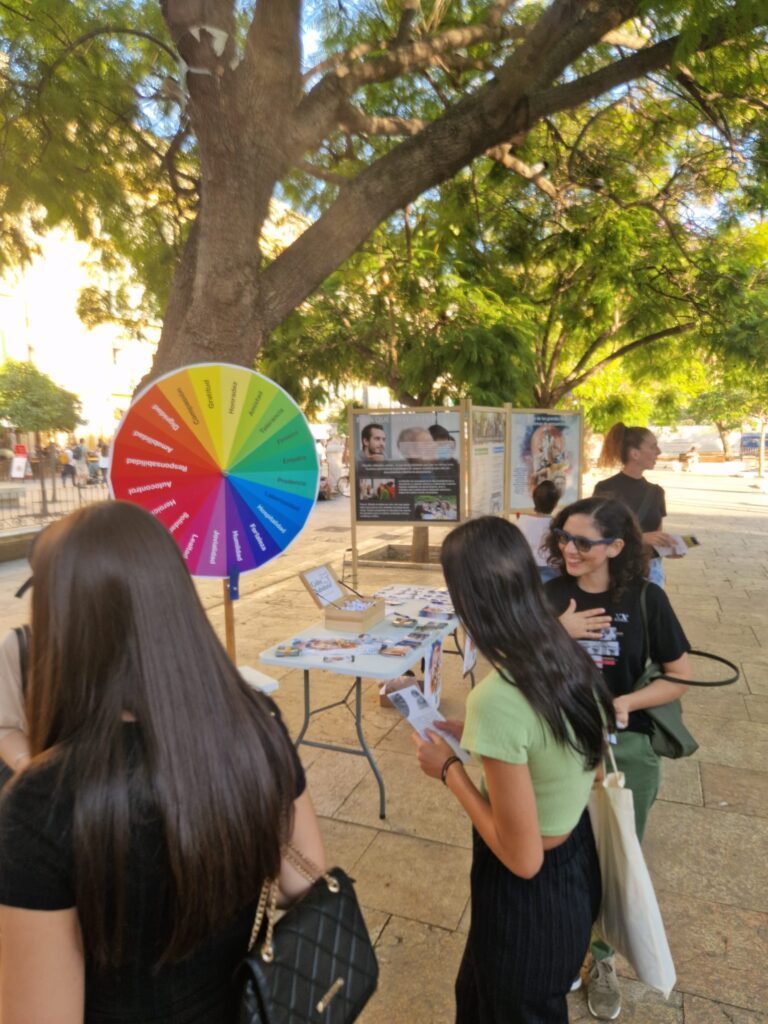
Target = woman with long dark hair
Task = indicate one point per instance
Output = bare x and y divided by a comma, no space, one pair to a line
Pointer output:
597,546
537,724
160,792
636,449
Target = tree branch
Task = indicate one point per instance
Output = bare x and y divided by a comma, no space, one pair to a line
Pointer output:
105,30
503,154
573,381
357,121
581,90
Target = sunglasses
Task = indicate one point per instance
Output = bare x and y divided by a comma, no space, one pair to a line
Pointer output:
24,587
582,544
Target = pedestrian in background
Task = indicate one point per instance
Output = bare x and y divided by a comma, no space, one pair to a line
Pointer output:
636,450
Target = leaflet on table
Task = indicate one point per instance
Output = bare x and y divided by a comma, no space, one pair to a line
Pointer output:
421,715
401,593
386,646
679,547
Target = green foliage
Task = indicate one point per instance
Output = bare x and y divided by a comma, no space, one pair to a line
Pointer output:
30,401
485,287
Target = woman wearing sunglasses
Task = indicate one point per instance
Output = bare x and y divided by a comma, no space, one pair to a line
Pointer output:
597,546
536,723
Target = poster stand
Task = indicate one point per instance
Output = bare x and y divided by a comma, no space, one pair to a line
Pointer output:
497,452
410,471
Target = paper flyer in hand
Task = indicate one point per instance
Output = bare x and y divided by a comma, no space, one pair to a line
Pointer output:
421,715
680,546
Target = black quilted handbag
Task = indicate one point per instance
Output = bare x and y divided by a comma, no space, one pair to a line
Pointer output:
316,963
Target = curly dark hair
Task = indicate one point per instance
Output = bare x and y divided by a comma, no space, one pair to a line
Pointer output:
613,519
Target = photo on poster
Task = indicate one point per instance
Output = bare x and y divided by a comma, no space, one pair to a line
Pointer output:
376,489
407,466
546,445
430,507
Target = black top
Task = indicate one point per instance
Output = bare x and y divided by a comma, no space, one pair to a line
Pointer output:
619,653
37,873
637,494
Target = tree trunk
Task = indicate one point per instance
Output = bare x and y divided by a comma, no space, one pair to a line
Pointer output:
724,440
761,449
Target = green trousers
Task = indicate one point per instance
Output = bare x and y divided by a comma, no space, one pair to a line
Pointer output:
642,770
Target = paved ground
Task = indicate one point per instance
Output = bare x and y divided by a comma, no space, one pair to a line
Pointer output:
707,840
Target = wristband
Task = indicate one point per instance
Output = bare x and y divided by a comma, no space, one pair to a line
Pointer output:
453,759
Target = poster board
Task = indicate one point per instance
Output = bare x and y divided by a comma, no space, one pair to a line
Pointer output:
544,444
407,465
487,460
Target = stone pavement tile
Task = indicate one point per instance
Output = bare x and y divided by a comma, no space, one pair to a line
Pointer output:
703,1011
711,637
681,782
414,878
398,740
735,789
375,922
639,1005
416,804
720,952
735,743
755,672
718,702
344,843
701,853
757,708
418,965
332,776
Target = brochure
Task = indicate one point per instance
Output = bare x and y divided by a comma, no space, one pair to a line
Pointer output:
421,715
680,546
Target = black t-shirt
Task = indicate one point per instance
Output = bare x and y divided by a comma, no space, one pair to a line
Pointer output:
37,873
633,492
620,653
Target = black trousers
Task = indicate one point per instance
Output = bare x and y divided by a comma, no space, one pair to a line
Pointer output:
528,938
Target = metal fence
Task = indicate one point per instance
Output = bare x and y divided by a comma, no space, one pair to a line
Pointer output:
22,503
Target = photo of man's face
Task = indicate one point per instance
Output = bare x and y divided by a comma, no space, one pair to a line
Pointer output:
373,440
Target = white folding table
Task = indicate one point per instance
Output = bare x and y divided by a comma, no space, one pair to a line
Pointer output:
368,666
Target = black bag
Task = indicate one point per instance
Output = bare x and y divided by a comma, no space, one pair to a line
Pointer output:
670,738
314,964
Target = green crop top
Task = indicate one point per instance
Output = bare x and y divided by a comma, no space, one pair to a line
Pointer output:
500,723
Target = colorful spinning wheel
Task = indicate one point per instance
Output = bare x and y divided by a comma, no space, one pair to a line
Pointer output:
224,458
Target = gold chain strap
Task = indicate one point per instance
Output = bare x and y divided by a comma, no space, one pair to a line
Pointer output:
268,898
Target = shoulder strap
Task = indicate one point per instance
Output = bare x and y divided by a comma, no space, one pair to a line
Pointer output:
22,638
646,633
734,669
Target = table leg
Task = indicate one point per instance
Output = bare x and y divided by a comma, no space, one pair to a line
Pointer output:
307,712
366,750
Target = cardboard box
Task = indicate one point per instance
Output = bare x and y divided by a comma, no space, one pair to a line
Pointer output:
330,594
359,621
398,683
